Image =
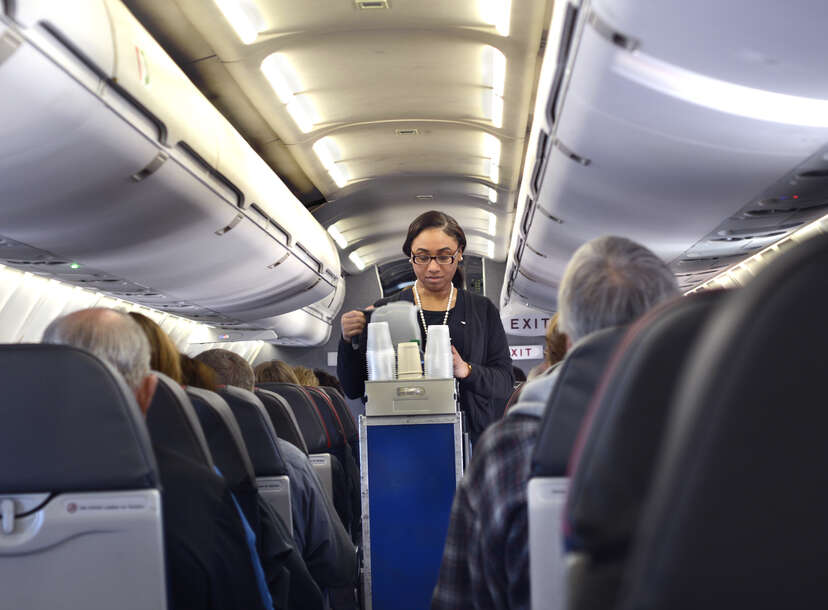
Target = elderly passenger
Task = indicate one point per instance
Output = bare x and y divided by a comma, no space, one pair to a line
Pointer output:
209,564
610,281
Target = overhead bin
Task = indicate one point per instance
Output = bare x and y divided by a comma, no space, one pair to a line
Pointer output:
113,160
618,151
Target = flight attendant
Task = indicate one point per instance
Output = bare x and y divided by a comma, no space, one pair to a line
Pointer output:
434,245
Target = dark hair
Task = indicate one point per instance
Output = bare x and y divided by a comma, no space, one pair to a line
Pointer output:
437,220
328,380
197,374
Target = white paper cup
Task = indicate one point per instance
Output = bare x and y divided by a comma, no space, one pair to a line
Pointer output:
408,361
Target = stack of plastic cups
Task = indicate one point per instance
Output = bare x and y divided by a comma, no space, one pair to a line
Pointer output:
439,363
379,353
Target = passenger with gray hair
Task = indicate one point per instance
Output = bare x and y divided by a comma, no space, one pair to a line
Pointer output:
319,534
208,562
609,281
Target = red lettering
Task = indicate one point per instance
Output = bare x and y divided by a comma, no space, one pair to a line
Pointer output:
514,353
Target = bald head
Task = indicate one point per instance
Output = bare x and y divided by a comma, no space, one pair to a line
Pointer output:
113,337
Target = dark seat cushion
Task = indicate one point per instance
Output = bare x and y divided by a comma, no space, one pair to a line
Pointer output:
282,418
612,465
68,422
737,513
307,415
173,423
259,435
577,381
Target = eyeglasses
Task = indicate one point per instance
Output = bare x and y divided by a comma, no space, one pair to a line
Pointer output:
442,259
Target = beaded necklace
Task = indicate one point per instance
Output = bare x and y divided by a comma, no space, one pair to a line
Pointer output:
420,308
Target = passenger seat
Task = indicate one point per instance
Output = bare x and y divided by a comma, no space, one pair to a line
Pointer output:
80,505
577,381
737,513
613,463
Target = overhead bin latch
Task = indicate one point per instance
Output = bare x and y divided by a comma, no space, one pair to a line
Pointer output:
7,515
9,42
151,167
229,227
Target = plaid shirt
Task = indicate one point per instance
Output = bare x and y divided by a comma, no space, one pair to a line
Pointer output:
486,557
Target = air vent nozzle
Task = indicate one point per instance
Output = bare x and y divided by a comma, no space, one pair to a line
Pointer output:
407,132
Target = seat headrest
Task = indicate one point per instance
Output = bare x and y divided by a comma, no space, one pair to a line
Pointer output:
258,432
614,456
68,422
736,516
174,425
306,412
223,436
577,381
282,418
330,418
345,415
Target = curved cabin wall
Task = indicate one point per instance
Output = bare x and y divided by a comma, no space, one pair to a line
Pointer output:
117,174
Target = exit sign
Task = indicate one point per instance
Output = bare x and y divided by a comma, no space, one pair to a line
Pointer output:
526,352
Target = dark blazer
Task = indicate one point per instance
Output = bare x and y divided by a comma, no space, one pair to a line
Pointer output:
208,561
483,345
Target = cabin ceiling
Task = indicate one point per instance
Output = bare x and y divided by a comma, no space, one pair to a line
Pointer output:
378,114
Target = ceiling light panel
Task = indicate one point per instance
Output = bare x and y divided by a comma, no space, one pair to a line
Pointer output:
357,260
338,237
491,154
494,81
244,17
330,157
285,83
492,195
497,13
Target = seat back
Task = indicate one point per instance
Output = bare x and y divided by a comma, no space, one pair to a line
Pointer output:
227,446
315,434
613,460
174,425
260,439
578,379
282,418
736,513
79,485
330,418
307,415
344,414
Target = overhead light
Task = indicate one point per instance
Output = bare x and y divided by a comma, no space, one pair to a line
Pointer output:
497,13
338,237
329,156
491,146
243,16
497,111
492,195
490,248
300,115
356,260
338,176
494,68
492,224
425,197
721,95
276,71
285,83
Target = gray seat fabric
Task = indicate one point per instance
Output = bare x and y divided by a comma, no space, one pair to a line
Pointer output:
79,484
257,430
173,424
614,464
80,410
578,379
283,418
737,513
310,421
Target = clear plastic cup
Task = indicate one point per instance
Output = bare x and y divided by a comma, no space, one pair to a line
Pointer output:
408,361
439,363
379,337
380,365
